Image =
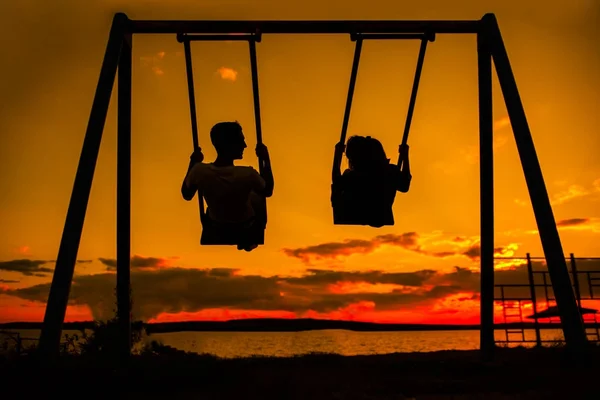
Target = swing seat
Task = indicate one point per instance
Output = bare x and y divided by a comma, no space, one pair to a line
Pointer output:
216,233
227,234
349,209
342,216
367,200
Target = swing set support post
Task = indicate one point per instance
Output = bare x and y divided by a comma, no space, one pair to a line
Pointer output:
124,197
570,315
487,341
118,57
69,245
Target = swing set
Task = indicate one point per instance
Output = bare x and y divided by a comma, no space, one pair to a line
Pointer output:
214,233
118,59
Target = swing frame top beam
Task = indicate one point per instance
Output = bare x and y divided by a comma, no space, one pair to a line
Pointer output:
303,27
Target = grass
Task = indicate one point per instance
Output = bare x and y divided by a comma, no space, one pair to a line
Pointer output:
89,367
161,371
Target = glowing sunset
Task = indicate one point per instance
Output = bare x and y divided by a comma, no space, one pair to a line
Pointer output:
425,269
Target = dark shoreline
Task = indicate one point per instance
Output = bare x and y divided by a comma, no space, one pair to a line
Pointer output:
281,325
518,373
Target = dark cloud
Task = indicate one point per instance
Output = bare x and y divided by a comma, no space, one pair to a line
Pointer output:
8,281
173,290
169,290
409,241
332,249
572,222
323,277
474,251
26,267
136,262
30,267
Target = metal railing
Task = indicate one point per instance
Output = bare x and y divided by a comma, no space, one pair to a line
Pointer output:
585,282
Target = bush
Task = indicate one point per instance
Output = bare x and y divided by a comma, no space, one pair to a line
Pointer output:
103,339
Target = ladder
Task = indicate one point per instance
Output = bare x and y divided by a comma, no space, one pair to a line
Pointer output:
593,332
513,314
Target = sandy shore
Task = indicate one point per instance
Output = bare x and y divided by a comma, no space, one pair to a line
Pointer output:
515,374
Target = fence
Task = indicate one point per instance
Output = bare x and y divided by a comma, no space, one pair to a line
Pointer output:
515,298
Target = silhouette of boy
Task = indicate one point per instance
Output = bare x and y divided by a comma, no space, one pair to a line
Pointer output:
366,191
234,194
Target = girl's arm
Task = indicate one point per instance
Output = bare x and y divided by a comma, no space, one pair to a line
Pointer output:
404,177
337,161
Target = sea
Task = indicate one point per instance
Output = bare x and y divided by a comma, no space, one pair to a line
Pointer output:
286,344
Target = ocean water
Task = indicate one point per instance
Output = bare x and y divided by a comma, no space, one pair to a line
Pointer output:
283,344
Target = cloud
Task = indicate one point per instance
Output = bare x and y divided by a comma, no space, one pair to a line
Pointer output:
29,267
501,123
572,222
182,290
136,262
8,281
474,252
228,74
572,192
154,62
26,267
23,250
580,224
332,250
569,224
429,245
500,139
522,203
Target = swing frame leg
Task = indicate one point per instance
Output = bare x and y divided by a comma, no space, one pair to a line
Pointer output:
486,196
49,344
124,198
570,315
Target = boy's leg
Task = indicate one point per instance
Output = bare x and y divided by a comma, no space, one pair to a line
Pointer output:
258,204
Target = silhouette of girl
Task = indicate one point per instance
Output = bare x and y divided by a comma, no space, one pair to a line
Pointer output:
367,189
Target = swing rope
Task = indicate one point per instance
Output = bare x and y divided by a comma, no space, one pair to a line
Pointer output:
357,51
252,39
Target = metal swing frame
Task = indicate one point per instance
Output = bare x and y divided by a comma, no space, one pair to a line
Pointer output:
118,59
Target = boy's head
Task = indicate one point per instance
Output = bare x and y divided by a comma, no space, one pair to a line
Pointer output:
228,139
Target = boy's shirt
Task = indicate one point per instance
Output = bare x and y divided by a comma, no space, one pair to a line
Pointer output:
226,190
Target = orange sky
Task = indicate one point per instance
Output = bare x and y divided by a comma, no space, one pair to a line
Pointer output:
424,269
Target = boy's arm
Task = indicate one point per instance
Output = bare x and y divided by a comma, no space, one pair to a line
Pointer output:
266,173
189,187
